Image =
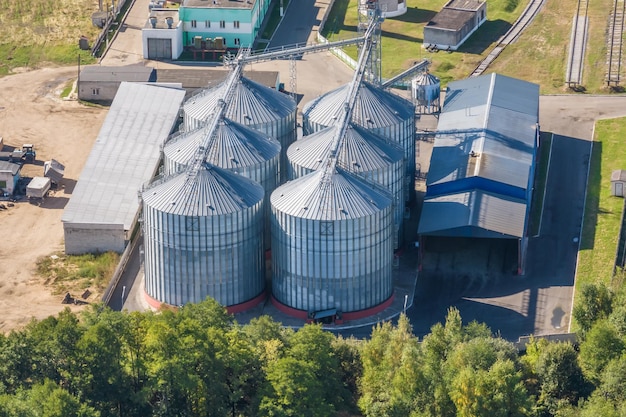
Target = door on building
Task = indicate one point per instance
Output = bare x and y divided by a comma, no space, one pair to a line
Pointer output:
159,48
619,189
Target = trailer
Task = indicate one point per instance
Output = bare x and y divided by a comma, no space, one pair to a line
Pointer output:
38,187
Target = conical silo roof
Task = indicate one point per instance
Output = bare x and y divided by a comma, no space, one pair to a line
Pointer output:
426,78
232,146
374,107
251,103
360,150
338,195
210,191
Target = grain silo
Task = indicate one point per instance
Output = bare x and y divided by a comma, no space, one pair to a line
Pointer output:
251,104
332,243
426,91
361,152
232,146
203,236
375,109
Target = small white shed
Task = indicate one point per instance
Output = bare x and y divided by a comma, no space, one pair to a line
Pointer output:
38,187
618,182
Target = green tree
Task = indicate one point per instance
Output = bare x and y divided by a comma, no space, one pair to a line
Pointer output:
594,302
295,391
561,379
601,344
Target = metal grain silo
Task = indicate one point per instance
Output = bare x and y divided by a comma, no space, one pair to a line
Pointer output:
203,236
332,243
362,152
250,104
426,91
375,109
232,146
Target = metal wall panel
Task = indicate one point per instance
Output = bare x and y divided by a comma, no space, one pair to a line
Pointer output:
190,253
331,255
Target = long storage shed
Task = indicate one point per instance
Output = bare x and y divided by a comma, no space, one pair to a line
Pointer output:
104,206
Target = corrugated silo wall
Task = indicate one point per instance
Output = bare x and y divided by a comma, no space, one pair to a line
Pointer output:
188,258
283,130
343,264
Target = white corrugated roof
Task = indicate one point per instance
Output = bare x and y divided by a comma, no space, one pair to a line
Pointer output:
360,150
231,146
125,155
210,191
338,196
374,107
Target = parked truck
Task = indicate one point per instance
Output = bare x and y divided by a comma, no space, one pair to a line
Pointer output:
26,154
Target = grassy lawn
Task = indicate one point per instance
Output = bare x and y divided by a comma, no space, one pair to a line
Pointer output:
402,36
539,55
38,31
602,211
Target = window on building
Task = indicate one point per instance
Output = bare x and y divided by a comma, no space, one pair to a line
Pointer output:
207,23
236,24
237,41
95,91
222,24
194,23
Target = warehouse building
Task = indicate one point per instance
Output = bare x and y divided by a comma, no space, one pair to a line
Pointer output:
483,161
454,24
104,206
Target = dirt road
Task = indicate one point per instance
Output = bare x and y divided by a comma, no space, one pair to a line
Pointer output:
31,111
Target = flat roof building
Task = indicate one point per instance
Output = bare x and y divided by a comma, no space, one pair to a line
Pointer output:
104,206
458,19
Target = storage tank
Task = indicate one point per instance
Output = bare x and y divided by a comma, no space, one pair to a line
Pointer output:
251,104
203,236
426,91
332,243
375,109
235,147
362,152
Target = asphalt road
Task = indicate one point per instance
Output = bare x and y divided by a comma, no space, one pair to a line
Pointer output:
299,25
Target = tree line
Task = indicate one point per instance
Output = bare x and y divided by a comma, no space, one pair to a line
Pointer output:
198,361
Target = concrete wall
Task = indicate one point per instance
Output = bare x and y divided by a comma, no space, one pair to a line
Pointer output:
94,238
10,180
102,92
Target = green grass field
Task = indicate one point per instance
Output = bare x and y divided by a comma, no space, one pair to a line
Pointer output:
538,56
35,32
602,211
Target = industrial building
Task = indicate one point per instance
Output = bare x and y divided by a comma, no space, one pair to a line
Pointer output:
361,152
482,167
99,84
388,8
454,24
250,104
332,244
375,109
203,26
104,208
9,177
231,146
203,236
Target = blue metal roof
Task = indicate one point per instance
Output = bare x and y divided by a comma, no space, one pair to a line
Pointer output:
487,129
486,135
474,213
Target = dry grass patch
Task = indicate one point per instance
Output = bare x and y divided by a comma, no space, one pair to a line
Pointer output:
37,31
74,274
